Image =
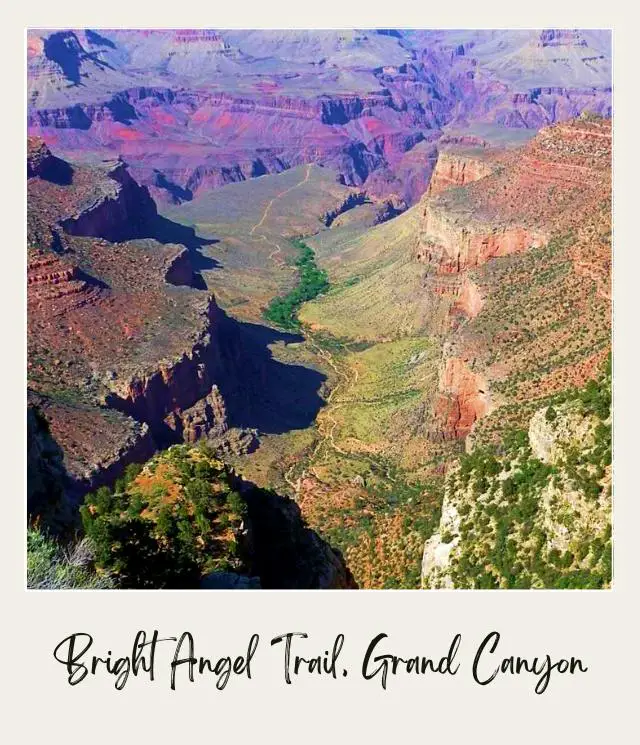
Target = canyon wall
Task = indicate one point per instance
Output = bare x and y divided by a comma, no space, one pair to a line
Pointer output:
457,169
453,242
461,400
164,397
103,292
124,212
122,362
224,114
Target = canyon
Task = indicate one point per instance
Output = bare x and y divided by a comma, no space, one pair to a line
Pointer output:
456,188
487,271
386,99
118,330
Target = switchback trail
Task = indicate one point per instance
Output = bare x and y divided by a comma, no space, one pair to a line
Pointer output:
326,435
277,250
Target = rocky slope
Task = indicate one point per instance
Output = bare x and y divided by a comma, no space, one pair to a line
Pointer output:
524,220
121,347
510,272
492,276
458,167
126,356
538,512
539,515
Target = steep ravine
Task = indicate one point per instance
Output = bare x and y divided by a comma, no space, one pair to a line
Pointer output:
210,391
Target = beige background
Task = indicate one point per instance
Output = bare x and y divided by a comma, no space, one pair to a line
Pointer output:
599,627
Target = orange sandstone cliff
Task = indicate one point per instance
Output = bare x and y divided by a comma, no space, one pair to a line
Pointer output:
522,255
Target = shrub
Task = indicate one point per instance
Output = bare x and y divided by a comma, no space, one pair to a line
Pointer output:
53,566
168,533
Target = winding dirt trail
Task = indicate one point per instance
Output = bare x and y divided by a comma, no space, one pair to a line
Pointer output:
279,196
325,436
277,250
344,379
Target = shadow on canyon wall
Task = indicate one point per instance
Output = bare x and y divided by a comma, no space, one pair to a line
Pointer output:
283,551
266,394
58,49
165,230
141,224
56,171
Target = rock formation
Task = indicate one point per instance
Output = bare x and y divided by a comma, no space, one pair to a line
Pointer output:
457,168
539,513
453,243
351,201
523,201
462,399
121,210
233,105
98,318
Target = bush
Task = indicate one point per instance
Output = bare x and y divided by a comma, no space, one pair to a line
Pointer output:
52,566
170,531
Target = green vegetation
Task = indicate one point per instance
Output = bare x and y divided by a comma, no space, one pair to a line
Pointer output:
283,311
52,566
527,523
383,533
540,322
169,524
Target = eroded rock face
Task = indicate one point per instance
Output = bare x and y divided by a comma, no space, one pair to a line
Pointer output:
462,399
57,285
180,394
464,295
123,211
43,164
350,202
465,228
206,418
38,156
453,244
469,300
436,557
552,431
457,169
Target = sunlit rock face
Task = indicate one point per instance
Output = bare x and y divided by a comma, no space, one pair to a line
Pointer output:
195,110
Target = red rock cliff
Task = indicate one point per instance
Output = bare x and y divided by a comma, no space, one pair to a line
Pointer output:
462,399
162,397
453,242
457,169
